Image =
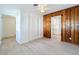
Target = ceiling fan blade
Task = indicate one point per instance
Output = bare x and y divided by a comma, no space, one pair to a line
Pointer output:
35,4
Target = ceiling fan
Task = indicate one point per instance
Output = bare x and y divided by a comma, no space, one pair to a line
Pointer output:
35,4
41,7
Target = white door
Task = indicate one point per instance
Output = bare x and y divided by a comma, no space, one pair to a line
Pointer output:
56,27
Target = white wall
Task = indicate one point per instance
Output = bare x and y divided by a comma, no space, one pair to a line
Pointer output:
18,26
9,26
0,28
14,13
31,26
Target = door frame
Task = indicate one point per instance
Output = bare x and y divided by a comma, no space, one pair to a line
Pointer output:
47,24
61,24
6,37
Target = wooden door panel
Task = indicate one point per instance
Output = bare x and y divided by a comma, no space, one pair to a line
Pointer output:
73,24
77,25
68,25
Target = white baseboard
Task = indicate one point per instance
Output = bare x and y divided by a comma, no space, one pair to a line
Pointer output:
26,41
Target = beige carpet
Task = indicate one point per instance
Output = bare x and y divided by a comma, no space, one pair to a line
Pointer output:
41,46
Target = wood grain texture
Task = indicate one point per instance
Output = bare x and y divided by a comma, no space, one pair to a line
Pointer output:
47,27
73,25
69,24
77,25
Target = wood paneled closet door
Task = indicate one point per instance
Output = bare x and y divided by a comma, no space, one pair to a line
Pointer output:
73,25
68,25
77,25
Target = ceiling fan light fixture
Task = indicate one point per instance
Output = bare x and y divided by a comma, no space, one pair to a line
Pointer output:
42,7
42,11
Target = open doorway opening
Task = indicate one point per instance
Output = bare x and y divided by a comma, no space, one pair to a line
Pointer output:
9,27
56,27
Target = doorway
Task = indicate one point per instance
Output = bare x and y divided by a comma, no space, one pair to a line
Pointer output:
56,28
9,27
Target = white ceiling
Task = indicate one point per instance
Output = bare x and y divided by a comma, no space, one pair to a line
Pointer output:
57,7
30,7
